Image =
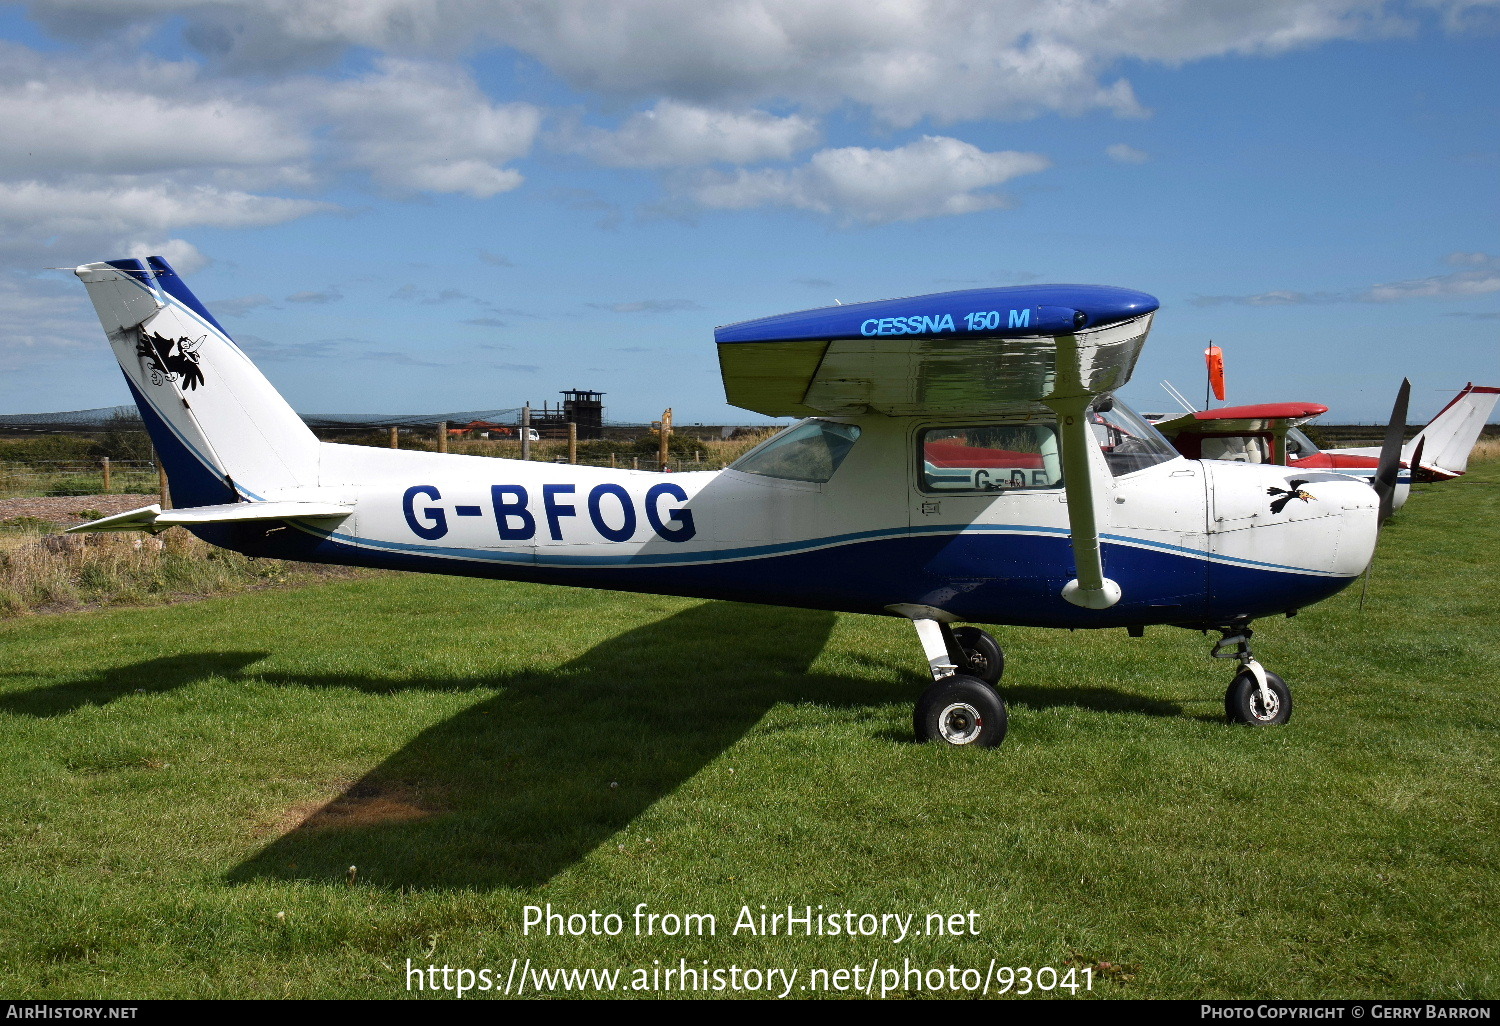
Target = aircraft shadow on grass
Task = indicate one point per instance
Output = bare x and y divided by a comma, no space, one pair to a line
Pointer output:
520,787
154,676
517,788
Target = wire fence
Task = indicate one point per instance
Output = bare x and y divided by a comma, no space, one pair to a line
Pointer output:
139,477
77,477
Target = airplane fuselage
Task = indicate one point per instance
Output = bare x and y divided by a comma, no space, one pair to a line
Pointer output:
1190,542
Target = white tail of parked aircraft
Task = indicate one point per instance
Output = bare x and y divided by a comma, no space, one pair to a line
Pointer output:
1440,451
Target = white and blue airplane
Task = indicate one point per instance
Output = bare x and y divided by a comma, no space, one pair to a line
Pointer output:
962,459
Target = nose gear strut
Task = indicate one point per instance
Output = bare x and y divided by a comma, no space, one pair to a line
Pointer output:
1255,695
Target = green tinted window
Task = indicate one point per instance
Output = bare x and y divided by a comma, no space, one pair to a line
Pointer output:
992,458
810,451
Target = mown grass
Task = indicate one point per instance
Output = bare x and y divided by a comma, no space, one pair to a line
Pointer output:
489,746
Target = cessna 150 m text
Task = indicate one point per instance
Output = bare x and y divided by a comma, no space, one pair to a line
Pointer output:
962,459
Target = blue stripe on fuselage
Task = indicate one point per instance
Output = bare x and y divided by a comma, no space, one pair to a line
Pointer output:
1011,578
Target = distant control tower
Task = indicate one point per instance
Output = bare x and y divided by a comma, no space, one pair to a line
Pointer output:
586,409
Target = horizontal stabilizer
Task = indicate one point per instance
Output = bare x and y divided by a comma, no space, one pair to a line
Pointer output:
153,518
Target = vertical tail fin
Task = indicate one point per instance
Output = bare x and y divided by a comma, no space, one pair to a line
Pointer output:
222,431
1441,449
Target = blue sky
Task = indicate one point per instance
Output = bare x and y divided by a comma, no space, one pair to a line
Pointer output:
435,205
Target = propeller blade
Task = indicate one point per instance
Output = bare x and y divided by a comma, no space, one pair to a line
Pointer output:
1390,453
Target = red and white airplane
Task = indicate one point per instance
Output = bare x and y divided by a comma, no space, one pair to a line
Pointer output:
1271,433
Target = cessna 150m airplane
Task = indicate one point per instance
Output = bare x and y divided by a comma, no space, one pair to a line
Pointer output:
962,459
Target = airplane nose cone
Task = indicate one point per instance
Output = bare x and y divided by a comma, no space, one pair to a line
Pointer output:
1359,524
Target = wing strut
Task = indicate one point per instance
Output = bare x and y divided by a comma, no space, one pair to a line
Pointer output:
1070,400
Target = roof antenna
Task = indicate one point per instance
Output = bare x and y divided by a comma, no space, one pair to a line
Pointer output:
1181,401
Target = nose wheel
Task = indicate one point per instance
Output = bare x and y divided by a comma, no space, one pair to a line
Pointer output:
1256,696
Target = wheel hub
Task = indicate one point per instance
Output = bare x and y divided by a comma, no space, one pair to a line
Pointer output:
960,723
1264,705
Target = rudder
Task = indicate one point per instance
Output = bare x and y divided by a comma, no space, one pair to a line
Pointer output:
222,431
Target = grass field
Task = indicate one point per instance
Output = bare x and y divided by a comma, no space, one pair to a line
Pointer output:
187,788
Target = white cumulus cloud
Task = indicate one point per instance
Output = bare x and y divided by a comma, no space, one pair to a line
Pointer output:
675,134
40,208
932,177
66,125
904,60
1124,153
428,127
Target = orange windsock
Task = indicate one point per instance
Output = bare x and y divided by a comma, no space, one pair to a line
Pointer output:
1215,357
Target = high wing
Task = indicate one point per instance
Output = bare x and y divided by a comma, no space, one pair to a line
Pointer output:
990,351
977,351
1243,419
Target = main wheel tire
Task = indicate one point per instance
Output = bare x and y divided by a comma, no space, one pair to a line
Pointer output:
1243,703
983,656
962,711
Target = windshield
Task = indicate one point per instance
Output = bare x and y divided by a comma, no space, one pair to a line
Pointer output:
810,451
1299,446
1128,442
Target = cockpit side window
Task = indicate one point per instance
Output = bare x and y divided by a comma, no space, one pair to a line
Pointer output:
810,451
991,458
1299,446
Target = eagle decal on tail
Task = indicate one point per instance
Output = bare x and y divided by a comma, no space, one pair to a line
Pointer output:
170,360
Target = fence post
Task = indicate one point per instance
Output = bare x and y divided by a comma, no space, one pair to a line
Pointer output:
161,480
666,439
635,463
442,436
572,442
395,438
104,465
526,432
611,461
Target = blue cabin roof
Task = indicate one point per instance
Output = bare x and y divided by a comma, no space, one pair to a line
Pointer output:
994,350
1010,312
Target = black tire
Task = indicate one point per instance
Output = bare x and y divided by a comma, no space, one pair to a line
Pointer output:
1242,702
983,656
962,711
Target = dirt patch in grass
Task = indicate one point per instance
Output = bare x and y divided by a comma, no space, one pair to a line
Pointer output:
67,510
365,804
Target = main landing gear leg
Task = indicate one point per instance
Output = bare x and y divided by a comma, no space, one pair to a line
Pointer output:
1256,695
957,708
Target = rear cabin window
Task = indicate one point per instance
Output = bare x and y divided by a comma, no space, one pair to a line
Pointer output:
810,451
1237,448
992,458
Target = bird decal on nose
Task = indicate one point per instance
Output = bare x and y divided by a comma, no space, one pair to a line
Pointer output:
1293,490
